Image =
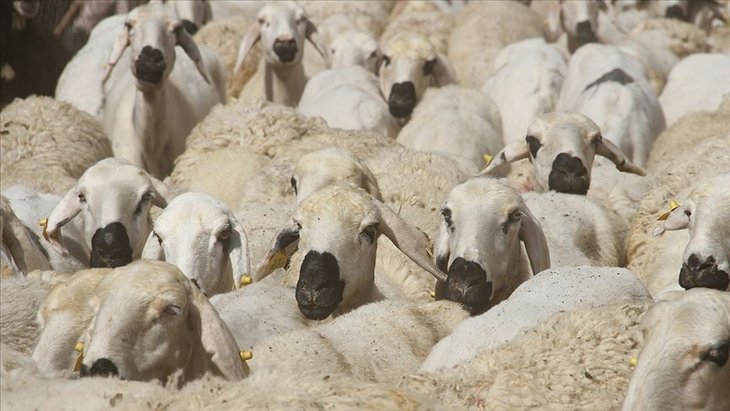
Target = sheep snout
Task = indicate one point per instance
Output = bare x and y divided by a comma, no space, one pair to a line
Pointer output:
585,34
319,289
103,367
402,99
675,12
150,65
467,284
569,175
286,50
706,274
110,247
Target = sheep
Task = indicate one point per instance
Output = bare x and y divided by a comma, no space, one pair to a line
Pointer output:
455,121
691,87
700,13
684,352
579,20
20,246
348,98
534,301
422,19
472,48
282,29
525,83
484,218
211,249
151,110
410,65
114,199
366,15
347,46
601,76
144,321
47,144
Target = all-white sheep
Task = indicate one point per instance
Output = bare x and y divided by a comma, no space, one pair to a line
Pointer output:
683,363
282,29
455,121
145,321
348,98
608,86
534,301
203,239
47,144
691,87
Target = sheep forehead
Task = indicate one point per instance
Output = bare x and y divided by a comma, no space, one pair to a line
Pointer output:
287,9
191,208
554,126
480,194
713,187
327,162
142,281
152,11
699,316
343,203
409,46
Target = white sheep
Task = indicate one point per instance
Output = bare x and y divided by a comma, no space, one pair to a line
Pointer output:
525,83
423,19
203,239
534,301
47,144
348,98
282,29
691,87
20,247
609,86
455,121
144,321
683,363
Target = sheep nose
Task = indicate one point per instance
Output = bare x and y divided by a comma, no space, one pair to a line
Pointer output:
674,12
584,33
103,367
189,26
467,284
150,65
286,50
402,99
319,289
568,175
705,273
110,246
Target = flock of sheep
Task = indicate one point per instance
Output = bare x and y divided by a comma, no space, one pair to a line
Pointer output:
198,212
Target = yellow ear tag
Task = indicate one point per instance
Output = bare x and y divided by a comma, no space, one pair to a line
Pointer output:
278,260
245,355
633,361
433,294
44,223
487,160
245,280
79,349
672,206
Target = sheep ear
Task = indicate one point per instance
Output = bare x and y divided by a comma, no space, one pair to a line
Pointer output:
441,249
411,241
253,35
119,46
187,43
238,251
153,249
677,220
609,150
285,244
512,152
535,243
314,38
65,211
442,73
163,193
553,24
24,251
220,351
370,183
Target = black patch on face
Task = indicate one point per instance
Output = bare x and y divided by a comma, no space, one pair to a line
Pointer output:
103,367
110,247
705,274
568,175
467,284
718,354
150,65
446,213
319,289
286,50
616,75
534,144
402,99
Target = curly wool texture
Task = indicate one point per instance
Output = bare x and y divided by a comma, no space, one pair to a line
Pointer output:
47,144
433,25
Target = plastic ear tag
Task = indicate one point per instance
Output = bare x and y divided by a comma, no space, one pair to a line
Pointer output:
245,280
277,260
245,355
44,223
673,204
80,358
487,160
433,294
633,361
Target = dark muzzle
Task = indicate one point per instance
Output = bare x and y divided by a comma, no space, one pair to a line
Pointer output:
467,284
705,274
319,289
150,65
402,99
674,12
286,50
568,175
110,247
102,367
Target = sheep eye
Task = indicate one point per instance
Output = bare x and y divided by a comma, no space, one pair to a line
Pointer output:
146,197
514,217
386,61
534,144
82,198
688,213
368,234
261,20
293,182
225,234
717,354
597,140
447,218
428,67
332,51
172,309
373,55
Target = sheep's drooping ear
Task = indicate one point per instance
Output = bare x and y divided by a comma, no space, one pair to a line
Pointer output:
64,212
119,46
411,241
238,251
285,244
370,183
187,43
677,220
609,150
441,249
512,152
220,351
535,243
163,193
314,38
253,35
442,73
153,249
24,252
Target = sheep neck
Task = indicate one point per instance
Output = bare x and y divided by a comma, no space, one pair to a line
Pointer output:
517,272
149,118
284,84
